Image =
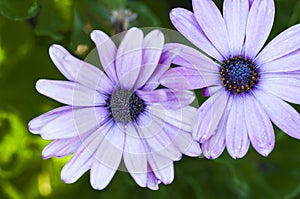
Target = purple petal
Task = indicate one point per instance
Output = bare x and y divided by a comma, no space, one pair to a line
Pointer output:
107,156
171,99
129,58
237,140
287,88
250,3
259,126
215,145
79,71
101,175
75,168
186,23
70,93
110,150
281,113
287,63
284,44
74,123
135,156
181,119
107,51
152,48
209,91
235,16
164,63
209,115
259,25
193,151
278,75
212,23
188,78
183,141
84,157
172,136
154,133
80,162
192,58
166,175
162,167
61,147
36,124
152,181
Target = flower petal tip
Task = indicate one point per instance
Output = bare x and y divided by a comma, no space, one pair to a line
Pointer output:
98,186
237,155
194,150
55,47
97,36
203,138
135,30
157,35
39,85
168,180
46,156
211,155
66,181
265,152
65,178
57,51
175,12
154,188
94,34
172,13
45,136
197,153
31,127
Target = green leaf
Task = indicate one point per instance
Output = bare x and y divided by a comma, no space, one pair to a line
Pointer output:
78,35
12,155
55,18
145,16
94,14
295,18
12,46
113,4
19,9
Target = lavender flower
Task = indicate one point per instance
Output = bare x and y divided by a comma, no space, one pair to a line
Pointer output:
248,86
120,114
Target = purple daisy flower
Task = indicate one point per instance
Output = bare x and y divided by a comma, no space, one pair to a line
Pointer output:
120,114
248,86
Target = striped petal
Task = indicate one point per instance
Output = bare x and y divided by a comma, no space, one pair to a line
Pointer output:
186,23
237,139
259,25
129,58
212,23
79,71
70,93
107,51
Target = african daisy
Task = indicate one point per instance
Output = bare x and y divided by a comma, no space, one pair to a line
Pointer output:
248,85
117,114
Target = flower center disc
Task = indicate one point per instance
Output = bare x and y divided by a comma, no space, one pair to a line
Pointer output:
125,105
239,74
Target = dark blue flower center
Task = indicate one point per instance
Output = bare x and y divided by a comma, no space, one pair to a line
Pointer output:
125,106
239,74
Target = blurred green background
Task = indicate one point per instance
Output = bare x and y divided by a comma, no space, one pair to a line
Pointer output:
29,27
